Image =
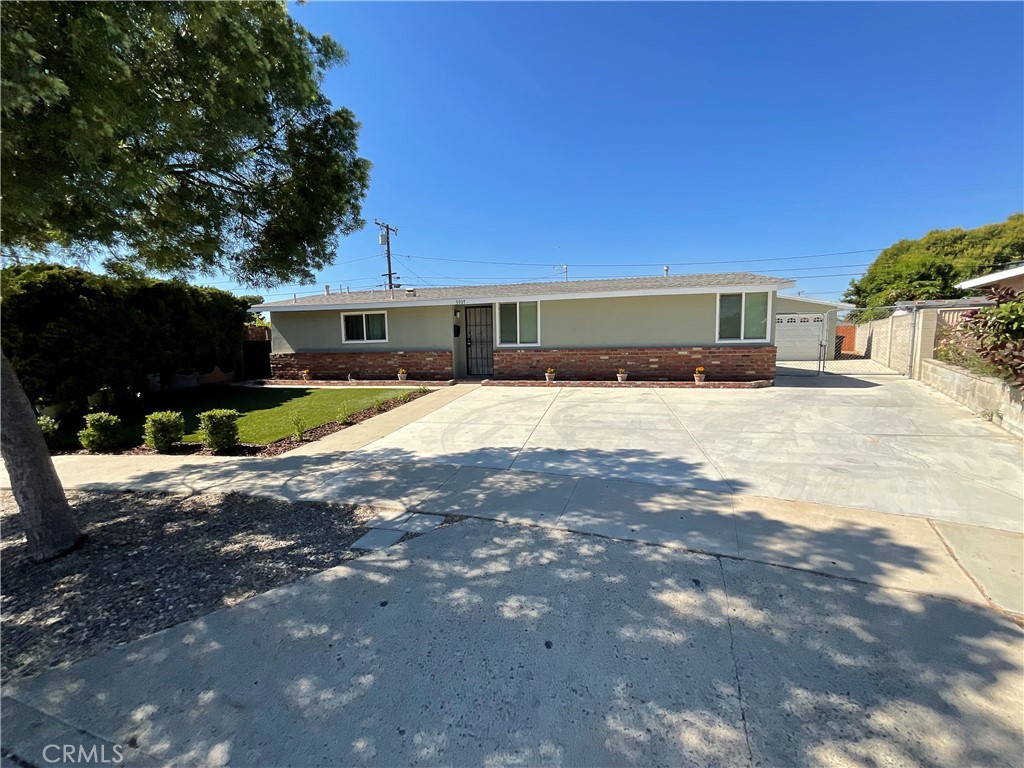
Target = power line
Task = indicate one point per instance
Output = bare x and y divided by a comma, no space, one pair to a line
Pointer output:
643,264
415,273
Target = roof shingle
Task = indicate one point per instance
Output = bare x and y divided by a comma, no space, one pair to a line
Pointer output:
485,293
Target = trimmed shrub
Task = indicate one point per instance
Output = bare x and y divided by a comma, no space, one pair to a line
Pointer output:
163,429
219,428
102,432
50,429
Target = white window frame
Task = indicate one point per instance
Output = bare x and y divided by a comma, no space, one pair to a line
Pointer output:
743,317
497,325
345,340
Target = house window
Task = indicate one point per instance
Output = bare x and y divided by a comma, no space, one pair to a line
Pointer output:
364,327
743,316
519,323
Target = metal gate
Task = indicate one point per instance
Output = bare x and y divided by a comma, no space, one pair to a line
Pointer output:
856,342
874,341
480,341
799,342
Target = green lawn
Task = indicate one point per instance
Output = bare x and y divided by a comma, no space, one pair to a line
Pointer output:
267,414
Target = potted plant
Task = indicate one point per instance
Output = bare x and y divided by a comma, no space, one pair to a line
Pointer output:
698,374
305,375
549,374
622,374
402,375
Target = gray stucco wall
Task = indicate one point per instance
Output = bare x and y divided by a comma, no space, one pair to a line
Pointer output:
655,321
409,328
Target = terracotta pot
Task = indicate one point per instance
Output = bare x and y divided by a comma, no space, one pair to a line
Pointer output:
699,378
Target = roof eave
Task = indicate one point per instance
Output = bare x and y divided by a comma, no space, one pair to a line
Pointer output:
995,277
492,299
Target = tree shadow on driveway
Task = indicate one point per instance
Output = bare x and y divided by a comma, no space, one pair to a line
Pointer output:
493,644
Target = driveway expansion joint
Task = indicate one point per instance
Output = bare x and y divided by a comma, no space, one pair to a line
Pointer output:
735,662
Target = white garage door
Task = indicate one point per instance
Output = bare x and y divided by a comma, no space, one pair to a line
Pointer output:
798,335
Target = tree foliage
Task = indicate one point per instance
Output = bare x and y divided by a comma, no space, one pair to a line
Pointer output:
931,267
69,333
180,136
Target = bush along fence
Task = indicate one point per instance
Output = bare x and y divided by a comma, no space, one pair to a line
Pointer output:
978,359
70,333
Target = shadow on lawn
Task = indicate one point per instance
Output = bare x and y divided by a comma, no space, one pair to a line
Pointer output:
192,402
492,644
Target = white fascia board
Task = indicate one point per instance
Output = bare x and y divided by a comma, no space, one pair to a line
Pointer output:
469,301
995,277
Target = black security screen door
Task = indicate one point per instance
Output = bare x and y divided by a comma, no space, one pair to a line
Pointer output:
480,341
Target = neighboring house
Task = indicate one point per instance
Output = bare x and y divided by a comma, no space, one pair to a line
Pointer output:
801,324
658,328
1007,278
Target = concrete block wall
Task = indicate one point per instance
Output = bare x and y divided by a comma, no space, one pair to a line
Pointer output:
426,366
739,363
982,394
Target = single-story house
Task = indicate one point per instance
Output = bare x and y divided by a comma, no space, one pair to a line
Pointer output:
658,328
1007,278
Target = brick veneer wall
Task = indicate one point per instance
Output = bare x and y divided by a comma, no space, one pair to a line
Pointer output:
740,363
364,365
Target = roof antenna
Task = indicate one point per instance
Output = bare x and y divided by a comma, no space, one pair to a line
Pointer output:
666,270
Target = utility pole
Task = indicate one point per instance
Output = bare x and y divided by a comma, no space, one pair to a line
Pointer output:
385,240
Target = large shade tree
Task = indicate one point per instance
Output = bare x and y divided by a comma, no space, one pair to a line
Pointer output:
174,137
931,267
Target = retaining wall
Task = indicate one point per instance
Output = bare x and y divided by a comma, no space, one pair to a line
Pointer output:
982,394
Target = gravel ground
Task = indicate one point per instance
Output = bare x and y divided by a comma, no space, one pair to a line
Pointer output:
151,561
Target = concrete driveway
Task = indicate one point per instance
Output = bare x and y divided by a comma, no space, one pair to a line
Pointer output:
877,479
884,444
893,511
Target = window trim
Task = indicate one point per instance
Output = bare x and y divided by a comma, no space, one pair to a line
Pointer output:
497,325
769,326
363,314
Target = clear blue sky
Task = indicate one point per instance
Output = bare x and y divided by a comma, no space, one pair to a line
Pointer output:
619,137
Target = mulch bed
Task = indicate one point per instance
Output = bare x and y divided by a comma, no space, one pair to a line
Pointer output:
277,447
150,561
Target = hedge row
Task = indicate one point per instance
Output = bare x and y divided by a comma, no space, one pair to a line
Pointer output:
70,333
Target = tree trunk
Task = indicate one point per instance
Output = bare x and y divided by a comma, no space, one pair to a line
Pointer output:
45,514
